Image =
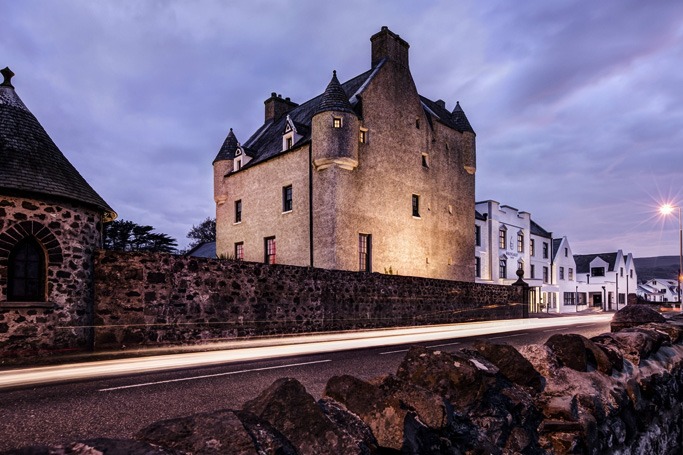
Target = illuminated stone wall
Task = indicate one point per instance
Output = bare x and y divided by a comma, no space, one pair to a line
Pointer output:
158,299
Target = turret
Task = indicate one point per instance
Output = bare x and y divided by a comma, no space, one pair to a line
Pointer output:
470,151
222,164
335,130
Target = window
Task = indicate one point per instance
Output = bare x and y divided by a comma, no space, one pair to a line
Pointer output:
289,142
26,272
417,123
238,211
621,271
520,265
520,242
502,238
287,198
238,164
425,160
545,250
416,205
239,251
569,298
566,252
364,252
533,271
532,247
545,274
503,268
630,272
571,274
477,267
363,137
477,235
336,122
597,271
269,250
562,273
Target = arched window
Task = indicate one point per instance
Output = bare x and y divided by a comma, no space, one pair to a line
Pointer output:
26,272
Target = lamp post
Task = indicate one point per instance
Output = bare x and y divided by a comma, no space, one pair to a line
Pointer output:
667,209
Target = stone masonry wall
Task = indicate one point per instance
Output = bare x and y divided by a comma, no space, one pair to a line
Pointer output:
69,234
156,299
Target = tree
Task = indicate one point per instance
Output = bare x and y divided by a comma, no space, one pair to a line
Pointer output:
124,235
203,232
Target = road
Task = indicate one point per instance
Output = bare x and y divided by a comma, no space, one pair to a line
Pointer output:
109,401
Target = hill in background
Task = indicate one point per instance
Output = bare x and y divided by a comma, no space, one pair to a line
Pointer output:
657,267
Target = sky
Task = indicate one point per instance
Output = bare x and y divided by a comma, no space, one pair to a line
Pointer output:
577,105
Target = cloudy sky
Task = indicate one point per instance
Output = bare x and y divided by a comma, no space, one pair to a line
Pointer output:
577,105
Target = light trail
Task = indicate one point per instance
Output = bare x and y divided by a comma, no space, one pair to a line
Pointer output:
215,375
281,347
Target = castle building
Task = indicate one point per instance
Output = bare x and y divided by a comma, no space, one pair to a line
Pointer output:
50,225
368,176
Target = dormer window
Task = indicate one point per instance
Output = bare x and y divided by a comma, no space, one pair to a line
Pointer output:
336,122
290,135
240,159
363,136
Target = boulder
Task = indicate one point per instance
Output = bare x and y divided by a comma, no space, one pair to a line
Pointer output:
454,377
350,423
209,432
612,350
635,315
294,412
636,345
429,407
511,364
542,358
383,414
570,350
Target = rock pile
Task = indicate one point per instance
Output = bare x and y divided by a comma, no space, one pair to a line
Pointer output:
619,392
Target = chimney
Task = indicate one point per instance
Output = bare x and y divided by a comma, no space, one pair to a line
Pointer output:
276,106
387,44
441,103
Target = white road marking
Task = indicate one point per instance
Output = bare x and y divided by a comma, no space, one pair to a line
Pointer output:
393,352
445,344
144,384
553,330
510,336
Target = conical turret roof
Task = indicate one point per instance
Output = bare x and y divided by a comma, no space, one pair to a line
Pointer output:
227,151
460,119
334,98
31,163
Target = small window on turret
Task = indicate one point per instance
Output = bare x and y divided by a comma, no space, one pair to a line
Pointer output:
417,123
336,122
425,161
363,137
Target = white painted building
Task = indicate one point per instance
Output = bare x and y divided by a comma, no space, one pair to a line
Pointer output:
659,290
507,240
604,280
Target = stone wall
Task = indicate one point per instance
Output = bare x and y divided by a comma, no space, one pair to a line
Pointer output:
59,320
156,299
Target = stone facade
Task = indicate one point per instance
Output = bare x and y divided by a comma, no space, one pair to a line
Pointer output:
156,299
361,153
69,235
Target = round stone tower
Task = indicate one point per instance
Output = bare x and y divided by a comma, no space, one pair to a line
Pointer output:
335,128
50,226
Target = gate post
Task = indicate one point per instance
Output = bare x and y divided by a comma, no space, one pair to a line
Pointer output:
524,292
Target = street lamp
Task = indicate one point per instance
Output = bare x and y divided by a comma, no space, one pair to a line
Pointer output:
668,209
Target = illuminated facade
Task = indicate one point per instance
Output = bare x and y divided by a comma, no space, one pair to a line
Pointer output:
369,176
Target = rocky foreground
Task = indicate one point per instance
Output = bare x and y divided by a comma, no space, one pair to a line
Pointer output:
619,392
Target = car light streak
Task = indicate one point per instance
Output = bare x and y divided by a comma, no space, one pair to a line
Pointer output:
281,347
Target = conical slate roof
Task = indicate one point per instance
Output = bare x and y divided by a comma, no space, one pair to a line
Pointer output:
460,119
31,163
334,98
227,151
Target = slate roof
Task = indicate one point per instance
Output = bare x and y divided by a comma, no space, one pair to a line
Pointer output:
266,142
536,229
31,162
583,261
203,250
556,246
479,216
227,151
